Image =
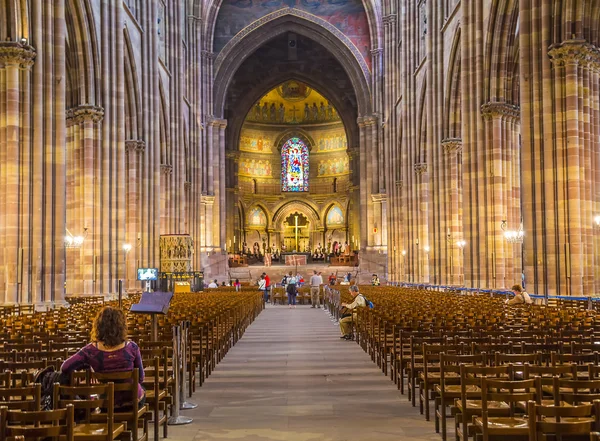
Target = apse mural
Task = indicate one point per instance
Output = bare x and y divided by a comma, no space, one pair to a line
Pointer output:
255,168
294,166
335,217
348,16
255,143
332,143
334,167
257,218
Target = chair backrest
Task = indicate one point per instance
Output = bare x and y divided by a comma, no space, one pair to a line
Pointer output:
510,392
124,383
22,398
53,424
576,391
561,420
88,399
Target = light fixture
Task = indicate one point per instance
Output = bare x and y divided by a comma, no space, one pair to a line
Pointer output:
404,252
127,247
426,248
74,241
512,236
597,221
461,244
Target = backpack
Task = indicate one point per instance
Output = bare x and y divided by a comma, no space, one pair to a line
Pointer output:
369,304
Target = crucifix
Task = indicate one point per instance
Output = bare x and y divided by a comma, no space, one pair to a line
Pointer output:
296,228
294,110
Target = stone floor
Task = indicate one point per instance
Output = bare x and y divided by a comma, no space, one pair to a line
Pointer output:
291,378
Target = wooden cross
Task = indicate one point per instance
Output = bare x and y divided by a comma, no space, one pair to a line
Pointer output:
296,228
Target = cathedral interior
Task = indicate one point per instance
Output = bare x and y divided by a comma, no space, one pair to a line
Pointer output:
441,142
299,220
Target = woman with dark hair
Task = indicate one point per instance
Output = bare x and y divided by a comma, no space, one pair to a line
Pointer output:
110,351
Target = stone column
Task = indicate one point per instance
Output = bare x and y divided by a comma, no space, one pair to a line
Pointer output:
451,149
14,57
424,248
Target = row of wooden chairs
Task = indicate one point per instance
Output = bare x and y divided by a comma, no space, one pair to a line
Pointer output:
498,371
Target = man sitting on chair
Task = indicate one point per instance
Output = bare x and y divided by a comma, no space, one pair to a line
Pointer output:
350,316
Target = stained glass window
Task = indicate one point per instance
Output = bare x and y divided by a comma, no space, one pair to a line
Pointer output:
294,166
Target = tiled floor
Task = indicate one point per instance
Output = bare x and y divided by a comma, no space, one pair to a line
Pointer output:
291,378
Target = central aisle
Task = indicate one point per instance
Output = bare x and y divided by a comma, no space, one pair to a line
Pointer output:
291,378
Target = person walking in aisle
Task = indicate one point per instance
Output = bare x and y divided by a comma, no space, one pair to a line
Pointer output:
315,290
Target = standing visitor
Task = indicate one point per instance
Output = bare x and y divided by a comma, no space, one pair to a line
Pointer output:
315,290
267,287
375,280
238,285
291,290
213,284
262,286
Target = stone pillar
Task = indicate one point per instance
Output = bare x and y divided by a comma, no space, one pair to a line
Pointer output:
84,134
452,148
14,58
424,248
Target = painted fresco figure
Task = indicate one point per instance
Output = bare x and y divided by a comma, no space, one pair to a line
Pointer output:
322,112
265,112
315,112
273,112
329,111
306,112
281,113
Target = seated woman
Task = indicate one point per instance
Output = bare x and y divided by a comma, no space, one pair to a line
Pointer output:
110,351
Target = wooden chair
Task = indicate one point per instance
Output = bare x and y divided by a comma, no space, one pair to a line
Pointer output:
156,395
22,398
82,398
469,402
576,422
133,414
595,436
511,393
17,425
576,392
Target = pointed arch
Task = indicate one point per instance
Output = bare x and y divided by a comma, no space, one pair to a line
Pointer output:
244,45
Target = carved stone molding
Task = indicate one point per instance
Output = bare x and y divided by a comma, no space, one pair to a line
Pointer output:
577,52
420,168
366,121
376,52
16,53
379,197
207,200
498,110
400,185
217,122
452,145
389,19
85,112
187,185
167,169
208,55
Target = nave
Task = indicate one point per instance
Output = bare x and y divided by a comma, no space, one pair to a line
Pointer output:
290,377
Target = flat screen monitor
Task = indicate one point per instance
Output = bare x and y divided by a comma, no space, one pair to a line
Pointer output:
146,274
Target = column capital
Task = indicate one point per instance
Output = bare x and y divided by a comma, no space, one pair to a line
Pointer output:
578,52
452,145
498,110
400,184
187,185
85,112
14,53
208,55
376,52
420,168
195,18
167,169
217,122
365,121
379,197
207,200
135,145
389,19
